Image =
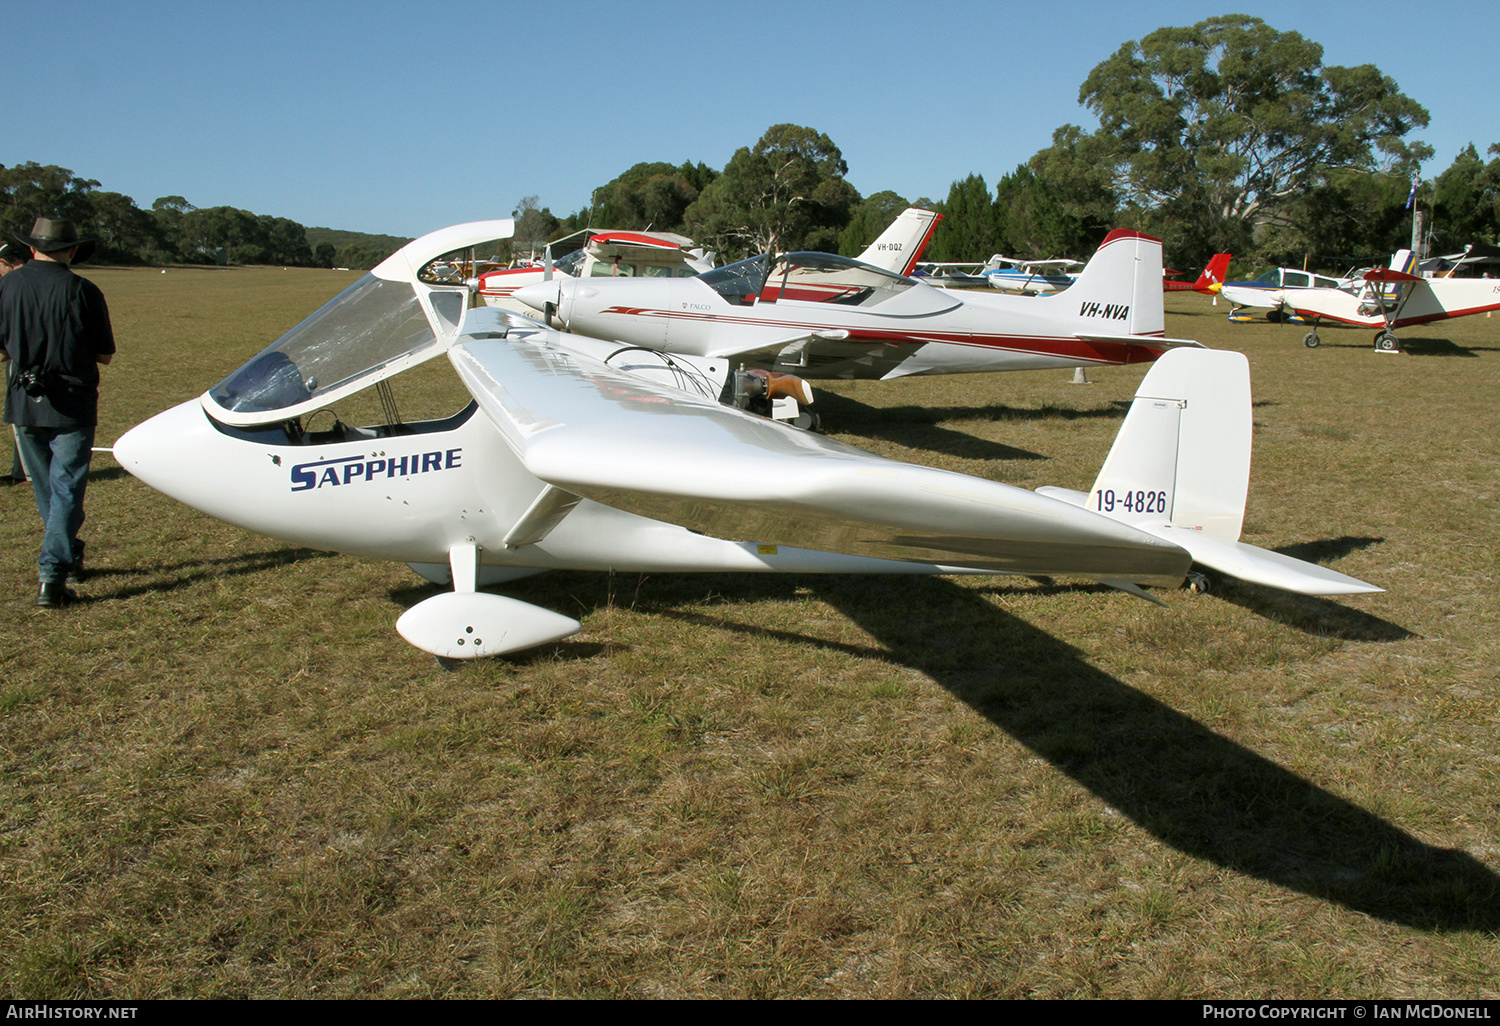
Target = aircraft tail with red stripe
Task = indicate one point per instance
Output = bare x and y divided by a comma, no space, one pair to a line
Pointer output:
902,244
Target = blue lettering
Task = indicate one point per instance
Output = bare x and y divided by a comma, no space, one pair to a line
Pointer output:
308,476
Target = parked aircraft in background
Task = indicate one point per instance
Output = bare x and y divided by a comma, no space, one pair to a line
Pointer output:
951,275
1029,277
901,245
646,254
1449,265
1387,299
1209,279
1270,291
577,454
599,254
1008,274
821,316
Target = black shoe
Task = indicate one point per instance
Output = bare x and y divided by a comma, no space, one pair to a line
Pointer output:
76,572
54,595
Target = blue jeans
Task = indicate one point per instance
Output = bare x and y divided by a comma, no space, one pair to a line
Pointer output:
57,461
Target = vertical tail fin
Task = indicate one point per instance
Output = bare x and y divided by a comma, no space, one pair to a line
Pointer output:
1119,291
1214,274
1180,470
1183,454
901,245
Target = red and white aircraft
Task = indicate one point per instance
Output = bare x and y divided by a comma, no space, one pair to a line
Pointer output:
823,316
1387,299
1210,280
642,254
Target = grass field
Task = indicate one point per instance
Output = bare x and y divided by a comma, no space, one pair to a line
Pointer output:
225,774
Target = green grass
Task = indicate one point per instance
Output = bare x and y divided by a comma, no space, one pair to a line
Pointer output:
225,774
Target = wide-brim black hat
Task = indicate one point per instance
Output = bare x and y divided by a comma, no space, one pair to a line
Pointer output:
51,234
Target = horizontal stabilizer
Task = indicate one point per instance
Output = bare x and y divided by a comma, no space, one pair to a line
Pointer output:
1262,566
1144,340
1238,559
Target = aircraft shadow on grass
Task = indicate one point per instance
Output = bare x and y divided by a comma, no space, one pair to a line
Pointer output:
1310,613
1183,783
920,427
1441,347
172,576
1420,347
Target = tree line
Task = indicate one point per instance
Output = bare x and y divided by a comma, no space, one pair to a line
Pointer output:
1227,135
172,231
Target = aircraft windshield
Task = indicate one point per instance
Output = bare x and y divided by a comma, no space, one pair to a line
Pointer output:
360,330
571,263
738,283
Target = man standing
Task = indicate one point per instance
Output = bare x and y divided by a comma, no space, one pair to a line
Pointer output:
55,331
13,255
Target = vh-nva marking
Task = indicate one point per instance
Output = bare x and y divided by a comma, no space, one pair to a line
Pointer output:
1109,311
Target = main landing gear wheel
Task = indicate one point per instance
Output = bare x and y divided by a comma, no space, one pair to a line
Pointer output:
1196,582
1386,342
1311,340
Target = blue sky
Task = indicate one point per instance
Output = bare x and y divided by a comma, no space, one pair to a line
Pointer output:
401,118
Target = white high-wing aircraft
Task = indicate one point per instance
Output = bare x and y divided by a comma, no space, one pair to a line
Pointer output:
1389,298
816,315
578,454
646,254
1029,277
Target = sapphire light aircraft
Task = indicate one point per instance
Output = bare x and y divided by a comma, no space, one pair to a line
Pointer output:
580,454
816,315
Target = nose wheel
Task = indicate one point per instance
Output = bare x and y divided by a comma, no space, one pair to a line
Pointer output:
1311,340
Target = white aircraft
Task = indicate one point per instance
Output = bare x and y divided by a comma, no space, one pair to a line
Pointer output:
645,254
1387,299
1271,291
951,274
816,315
1029,277
600,254
577,454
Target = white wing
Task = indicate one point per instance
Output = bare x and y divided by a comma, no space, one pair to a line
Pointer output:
650,449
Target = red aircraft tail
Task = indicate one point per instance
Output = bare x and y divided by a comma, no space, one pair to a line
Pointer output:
1213,275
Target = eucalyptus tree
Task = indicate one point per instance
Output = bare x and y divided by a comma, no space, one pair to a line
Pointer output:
1224,124
786,192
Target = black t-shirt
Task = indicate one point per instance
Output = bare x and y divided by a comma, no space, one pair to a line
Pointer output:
52,319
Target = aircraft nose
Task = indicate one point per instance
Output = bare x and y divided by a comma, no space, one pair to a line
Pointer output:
541,294
167,451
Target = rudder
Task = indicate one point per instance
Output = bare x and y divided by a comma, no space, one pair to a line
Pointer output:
1119,291
1183,454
